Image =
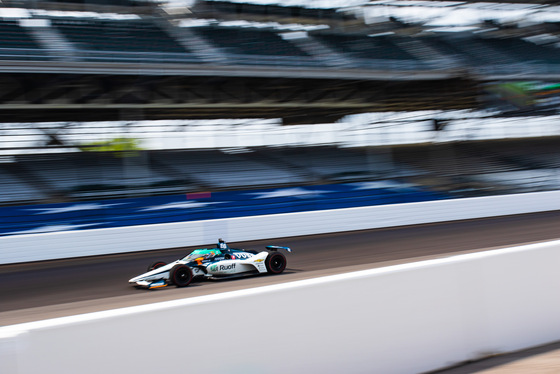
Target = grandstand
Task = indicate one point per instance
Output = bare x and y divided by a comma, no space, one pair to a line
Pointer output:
164,40
457,169
108,61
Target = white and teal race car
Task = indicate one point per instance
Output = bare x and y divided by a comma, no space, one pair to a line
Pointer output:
212,263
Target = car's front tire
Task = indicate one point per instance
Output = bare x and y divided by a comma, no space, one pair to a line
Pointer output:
275,263
181,275
156,265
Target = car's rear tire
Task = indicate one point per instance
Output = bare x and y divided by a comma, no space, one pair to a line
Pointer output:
156,265
275,263
181,275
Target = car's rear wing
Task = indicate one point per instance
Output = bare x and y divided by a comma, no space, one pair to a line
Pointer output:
277,247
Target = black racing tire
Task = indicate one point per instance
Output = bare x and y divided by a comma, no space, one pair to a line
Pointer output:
180,275
156,265
275,263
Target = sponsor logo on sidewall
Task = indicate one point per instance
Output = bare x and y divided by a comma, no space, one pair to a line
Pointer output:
242,256
223,268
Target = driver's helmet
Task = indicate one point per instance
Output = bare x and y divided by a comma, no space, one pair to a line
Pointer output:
222,244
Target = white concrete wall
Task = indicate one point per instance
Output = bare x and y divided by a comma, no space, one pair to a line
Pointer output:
37,247
408,318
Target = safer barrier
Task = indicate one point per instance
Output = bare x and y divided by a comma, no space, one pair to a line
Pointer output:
36,247
409,318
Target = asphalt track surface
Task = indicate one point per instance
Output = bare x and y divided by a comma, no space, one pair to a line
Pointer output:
41,290
49,289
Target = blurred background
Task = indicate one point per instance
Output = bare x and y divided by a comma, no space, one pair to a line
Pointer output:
119,113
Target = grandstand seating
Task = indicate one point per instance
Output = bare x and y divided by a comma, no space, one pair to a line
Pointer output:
247,41
14,36
453,167
14,190
480,52
453,159
363,46
254,46
329,163
150,40
111,35
82,175
525,51
381,51
521,180
103,175
543,156
16,43
136,40
492,167
474,51
216,169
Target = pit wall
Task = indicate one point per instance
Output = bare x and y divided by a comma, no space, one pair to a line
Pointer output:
409,318
38,247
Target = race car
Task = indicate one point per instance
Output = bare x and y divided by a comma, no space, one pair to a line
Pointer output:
212,263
